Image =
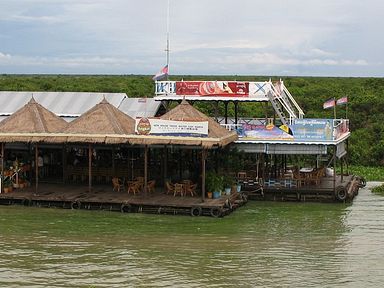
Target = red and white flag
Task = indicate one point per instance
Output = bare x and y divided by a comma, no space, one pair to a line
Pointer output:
163,73
342,101
329,103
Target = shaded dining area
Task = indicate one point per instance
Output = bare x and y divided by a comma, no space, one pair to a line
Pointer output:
104,150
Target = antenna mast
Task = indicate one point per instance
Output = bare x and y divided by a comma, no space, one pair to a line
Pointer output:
167,49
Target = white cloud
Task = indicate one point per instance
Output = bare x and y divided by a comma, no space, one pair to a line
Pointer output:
216,36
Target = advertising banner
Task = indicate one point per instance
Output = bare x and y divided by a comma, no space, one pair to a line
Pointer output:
262,132
313,129
302,130
212,88
156,126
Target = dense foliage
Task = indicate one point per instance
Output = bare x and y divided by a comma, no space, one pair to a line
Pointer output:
366,100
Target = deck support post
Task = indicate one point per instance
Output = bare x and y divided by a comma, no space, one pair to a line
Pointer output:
113,162
2,167
334,168
165,172
64,161
89,167
236,108
346,156
36,167
226,111
342,169
145,168
203,158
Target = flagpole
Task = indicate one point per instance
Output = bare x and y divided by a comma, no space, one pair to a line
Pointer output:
346,110
334,108
167,49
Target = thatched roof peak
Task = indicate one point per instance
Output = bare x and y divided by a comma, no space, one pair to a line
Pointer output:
32,100
103,118
32,118
186,112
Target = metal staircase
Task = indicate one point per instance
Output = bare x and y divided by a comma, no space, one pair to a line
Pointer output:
283,103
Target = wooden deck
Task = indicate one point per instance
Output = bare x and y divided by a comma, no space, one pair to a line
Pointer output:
324,191
104,198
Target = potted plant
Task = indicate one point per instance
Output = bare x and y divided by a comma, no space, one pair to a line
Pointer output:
7,185
228,182
214,184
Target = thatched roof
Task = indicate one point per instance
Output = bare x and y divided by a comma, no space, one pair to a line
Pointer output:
100,124
30,123
217,135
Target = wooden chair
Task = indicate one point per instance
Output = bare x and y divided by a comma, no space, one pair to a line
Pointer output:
117,184
300,180
134,187
191,189
178,189
151,186
170,187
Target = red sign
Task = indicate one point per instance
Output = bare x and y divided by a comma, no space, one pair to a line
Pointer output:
213,88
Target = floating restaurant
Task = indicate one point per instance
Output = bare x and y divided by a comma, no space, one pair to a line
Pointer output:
91,154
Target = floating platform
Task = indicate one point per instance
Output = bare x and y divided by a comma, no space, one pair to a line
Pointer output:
104,198
340,189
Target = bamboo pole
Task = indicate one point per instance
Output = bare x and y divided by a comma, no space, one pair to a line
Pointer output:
89,167
145,168
2,167
203,158
334,169
36,167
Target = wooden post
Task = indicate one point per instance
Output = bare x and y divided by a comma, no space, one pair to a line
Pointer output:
113,162
64,161
2,167
347,157
334,169
145,168
341,168
235,111
203,158
89,167
36,167
165,163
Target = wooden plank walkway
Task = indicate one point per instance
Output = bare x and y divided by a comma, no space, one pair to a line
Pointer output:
104,198
346,190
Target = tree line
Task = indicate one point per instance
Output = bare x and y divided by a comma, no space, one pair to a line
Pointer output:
365,95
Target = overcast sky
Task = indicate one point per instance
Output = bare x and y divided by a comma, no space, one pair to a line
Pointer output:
241,37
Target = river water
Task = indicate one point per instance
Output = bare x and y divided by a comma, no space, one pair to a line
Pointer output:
262,244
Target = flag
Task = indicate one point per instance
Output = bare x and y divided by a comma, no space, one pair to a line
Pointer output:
329,103
342,101
163,73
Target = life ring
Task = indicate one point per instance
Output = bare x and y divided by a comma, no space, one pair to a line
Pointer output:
125,208
196,211
26,202
341,193
216,212
75,205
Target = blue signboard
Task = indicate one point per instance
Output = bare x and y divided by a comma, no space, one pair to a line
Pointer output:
312,129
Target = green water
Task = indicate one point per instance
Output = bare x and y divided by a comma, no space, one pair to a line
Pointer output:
260,245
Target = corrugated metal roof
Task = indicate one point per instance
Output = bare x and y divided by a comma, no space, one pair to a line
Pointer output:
140,107
60,103
70,105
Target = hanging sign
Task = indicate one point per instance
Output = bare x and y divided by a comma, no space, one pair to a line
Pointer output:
156,126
